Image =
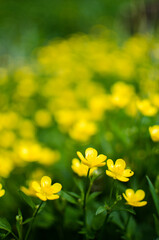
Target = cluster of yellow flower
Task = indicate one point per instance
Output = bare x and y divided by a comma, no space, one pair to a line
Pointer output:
117,171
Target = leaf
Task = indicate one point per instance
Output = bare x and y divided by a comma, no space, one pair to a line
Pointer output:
100,210
73,194
93,195
4,235
79,184
156,224
4,224
68,197
154,195
27,199
27,220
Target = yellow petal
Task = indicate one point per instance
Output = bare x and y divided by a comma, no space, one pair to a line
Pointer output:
139,195
121,178
76,162
36,186
101,158
41,196
2,192
45,181
129,193
53,197
55,188
98,164
125,197
120,163
91,154
80,155
110,174
137,204
127,173
110,164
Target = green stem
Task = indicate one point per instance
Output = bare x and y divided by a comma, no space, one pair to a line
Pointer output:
86,193
111,191
34,216
14,235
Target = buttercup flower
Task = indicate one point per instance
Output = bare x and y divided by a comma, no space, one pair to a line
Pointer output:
135,198
46,191
80,168
118,171
91,159
154,133
2,191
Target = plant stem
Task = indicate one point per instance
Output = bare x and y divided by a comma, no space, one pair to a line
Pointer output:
34,216
111,191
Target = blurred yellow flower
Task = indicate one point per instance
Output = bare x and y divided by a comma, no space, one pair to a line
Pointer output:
91,159
30,191
2,191
154,133
80,168
135,198
46,191
118,171
43,118
146,108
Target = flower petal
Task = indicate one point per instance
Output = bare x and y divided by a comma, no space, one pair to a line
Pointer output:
2,192
41,196
139,195
55,188
110,164
45,181
36,186
110,174
80,155
127,173
91,154
120,163
137,204
98,164
101,158
53,197
129,193
121,178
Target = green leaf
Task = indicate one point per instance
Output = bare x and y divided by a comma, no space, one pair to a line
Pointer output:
156,224
27,220
4,224
68,197
4,235
93,195
73,194
154,195
79,184
27,199
100,210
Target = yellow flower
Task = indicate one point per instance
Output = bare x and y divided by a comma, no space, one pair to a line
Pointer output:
134,198
46,191
118,171
80,168
30,191
146,108
2,191
154,133
91,159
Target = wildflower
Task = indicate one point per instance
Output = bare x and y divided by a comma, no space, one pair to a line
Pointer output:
146,108
80,168
135,198
91,159
154,133
30,191
46,191
118,171
2,191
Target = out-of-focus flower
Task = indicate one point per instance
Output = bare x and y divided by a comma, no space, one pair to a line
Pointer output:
118,171
80,168
83,130
91,159
2,191
146,108
43,118
30,191
135,198
154,133
46,191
